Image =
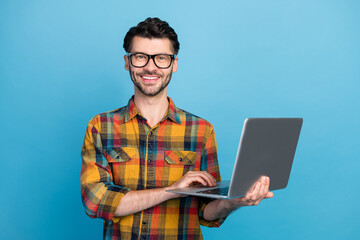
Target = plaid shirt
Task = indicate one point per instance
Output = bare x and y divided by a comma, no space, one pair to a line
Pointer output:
121,152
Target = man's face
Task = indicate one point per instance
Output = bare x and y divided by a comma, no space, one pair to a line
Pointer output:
150,80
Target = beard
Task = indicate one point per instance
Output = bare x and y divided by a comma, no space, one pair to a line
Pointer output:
153,90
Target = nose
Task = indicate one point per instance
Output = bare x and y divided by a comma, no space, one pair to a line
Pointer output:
150,66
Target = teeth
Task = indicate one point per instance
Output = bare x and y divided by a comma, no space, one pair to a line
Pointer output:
149,78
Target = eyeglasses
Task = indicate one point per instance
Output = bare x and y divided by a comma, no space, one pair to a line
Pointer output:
140,60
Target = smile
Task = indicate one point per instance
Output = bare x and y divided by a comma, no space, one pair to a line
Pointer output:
149,77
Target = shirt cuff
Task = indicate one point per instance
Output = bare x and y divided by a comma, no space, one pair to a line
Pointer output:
110,201
206,223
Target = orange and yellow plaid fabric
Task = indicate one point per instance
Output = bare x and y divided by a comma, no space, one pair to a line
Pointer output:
121,152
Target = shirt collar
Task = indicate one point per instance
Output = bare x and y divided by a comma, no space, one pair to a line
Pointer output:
172,112
131,110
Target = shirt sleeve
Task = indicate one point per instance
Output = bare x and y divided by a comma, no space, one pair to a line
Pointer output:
100,196
209,163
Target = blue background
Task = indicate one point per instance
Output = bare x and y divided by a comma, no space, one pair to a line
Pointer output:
61,62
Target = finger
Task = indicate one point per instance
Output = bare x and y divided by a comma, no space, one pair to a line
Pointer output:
258,194
269,195
261,190
261,193
254,186
195,179
265,196
191,178
210,178
254,194
264,187
267,185
206,176
251,189
258,201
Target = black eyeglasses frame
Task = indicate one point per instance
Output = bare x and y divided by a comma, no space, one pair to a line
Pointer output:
173,56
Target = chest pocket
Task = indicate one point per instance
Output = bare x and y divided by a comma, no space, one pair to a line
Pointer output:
177,163
125,165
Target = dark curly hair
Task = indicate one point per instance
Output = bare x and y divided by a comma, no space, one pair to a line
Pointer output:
152,28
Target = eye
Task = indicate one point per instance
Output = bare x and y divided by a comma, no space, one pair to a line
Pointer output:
140,56
162,58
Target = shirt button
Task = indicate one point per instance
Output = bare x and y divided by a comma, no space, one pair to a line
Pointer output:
180,159
149,160
150,133
144,222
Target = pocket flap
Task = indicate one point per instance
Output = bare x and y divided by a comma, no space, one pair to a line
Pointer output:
180,157
122,154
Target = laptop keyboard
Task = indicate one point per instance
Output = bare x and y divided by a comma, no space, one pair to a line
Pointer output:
216,191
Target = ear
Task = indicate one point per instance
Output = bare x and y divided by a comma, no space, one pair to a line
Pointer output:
127,63
174,69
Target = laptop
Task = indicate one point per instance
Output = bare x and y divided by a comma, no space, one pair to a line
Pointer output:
267,148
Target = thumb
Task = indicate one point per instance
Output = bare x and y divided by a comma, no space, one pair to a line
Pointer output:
269,195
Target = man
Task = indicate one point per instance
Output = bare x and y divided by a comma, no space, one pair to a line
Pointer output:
132,155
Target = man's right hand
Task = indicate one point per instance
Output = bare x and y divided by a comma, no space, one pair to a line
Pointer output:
139,200
191,178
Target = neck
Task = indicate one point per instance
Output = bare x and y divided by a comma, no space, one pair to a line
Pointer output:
152,108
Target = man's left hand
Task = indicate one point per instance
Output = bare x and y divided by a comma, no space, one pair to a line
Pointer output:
222,208
253,197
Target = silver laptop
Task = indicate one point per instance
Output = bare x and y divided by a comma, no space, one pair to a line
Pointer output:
267,148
